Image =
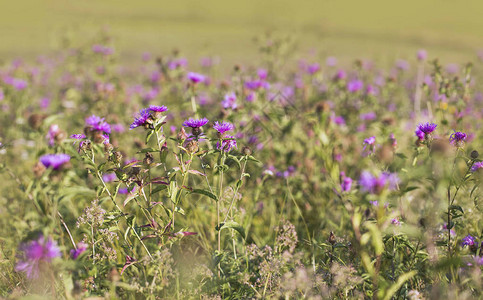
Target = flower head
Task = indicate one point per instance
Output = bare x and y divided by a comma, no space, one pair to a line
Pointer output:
155,108
54,161
226,144
457,138
476,166
427,128
355,85
36,253
375,185
95,123
229,101
141,119
195,123
223,127
81,247
195,77
468,241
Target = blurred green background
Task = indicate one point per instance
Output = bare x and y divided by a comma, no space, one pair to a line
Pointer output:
451,30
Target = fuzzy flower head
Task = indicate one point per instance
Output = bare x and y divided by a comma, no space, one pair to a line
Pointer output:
155,108
226,144
355,85
476,166
345,182
369,145
195,125
54,161
142,119
229,101
376,184
223,127
95,123
457,138
427,128
75,253
195,77
36,254
468,241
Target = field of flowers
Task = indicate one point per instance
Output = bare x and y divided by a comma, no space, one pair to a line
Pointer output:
290,179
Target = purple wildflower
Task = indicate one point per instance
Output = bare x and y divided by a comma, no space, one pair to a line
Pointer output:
476,166
419,134
229,101
98,124
422,55
34,254
108,177
141,118
262,74
81,247
195,123
368,116
54,130
346,182
355,85
226,144
195,77
457,138
369,145
427,128
395,222
468,241
54,161
331,61
375,185
313,68
223,127
78,136
155,108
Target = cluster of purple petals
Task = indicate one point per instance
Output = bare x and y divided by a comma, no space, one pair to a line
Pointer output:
195,77
223,127
141,118
54,130
54,161
16,83
355,85
155,108
227,144
374,185
98,124
468,241
476,166
195,123
101,49
426,128
345,182
229,101
81,247
457,137
34,253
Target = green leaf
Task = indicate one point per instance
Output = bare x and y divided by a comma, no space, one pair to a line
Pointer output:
400,281
253,159
205,192
410,188
159,188
456,207
233,225
148,135
145,150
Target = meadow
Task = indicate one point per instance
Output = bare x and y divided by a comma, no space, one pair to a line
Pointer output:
280,164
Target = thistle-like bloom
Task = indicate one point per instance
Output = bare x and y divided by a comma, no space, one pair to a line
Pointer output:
195,123
369,145
96,123
141,119
81,247
223,127
54,161
54,131
419,134
427,128
78,136
375,185
154,108
468,241
36,253
457,138
355,85
313,68
421,55
346,182
195,77
229,101
476,166
226,144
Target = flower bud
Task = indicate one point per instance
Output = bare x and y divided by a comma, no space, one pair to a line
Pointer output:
474,154
148,158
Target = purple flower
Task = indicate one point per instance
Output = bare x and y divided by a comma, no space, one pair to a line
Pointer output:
253,85
402,65
341,75
368,116
375,185
54,161
155,108
395,222
141,118
108,177
369,145
468,241
195,123
78,136
426,128
223,127
34,253
476,166
98,124
355,85
54,130
262,74
229,101
421,54
457,138
226,144
346,182
81,247
419,134
313,68
195,77
331,61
